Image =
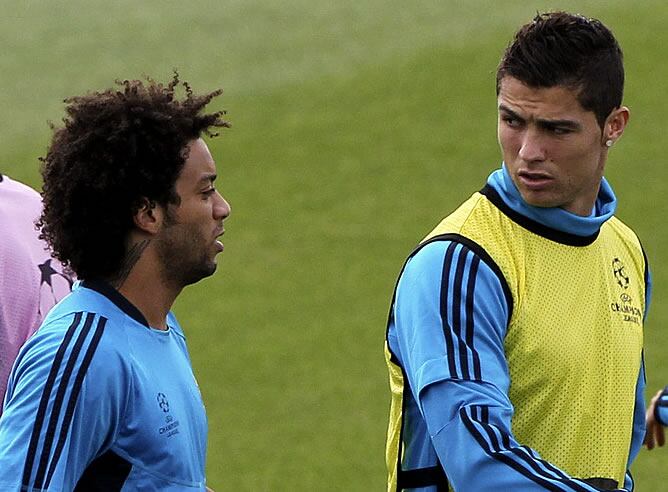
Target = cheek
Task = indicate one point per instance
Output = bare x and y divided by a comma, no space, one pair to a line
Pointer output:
582,159
508,141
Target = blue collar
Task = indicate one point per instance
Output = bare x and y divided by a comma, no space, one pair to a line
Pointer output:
555,223
103,288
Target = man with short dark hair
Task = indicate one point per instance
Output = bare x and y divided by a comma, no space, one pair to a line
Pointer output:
103,397
514,341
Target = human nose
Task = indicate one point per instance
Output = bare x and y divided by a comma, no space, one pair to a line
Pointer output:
532,148
221,209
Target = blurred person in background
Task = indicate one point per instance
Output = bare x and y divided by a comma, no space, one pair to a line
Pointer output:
31,281
515,336
103,396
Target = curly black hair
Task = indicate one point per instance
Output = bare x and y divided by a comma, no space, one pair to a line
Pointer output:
118,149
559,48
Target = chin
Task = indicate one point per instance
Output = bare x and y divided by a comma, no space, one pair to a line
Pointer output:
540,204
537,201
204,271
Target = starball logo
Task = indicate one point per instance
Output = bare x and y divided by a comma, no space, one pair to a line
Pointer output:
620,274
163,402
624,307
171,426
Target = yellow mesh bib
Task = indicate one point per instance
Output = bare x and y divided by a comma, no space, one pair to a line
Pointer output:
575,338
573,344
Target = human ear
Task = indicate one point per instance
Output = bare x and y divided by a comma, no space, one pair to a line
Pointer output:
614,125
148,216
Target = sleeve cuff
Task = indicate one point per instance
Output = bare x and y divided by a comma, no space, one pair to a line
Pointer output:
662,403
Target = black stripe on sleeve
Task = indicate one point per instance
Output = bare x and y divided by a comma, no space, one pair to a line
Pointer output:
457,312
485,258
468,422
547,464
485,415
473,246
460,337
447,331
470,293
46,396
74,396
58,402
527,463
481,414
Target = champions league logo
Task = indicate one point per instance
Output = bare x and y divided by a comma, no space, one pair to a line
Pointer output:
163,403
620,275
171,427
629,312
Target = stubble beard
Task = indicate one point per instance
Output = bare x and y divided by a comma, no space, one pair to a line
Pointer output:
185,258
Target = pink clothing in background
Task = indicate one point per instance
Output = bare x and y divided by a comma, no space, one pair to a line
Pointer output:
31,282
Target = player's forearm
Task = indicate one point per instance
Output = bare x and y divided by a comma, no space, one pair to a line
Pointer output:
479,453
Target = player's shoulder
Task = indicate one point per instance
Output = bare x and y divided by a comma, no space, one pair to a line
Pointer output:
83,300
18,201
16,188
618,226
83,319
625,233
72,342
427,256
435,252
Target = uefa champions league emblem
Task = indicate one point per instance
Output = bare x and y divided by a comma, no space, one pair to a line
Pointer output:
620,274
163,403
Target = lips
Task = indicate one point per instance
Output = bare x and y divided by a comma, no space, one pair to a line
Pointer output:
219,244
534,180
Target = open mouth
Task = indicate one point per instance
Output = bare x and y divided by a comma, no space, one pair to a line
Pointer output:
218,243
534,180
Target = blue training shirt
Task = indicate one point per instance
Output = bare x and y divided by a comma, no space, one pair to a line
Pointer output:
439,430
99,400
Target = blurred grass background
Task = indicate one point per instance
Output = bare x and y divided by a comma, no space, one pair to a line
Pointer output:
357,126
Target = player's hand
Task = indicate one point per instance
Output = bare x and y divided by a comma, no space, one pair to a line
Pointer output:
655,435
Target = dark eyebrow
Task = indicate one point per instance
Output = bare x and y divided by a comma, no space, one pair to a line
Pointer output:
510,112
208,178
569,124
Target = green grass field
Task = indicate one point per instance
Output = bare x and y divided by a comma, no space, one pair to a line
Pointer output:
357,126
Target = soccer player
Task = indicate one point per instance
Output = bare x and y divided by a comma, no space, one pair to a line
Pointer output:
514,341
103,396
31,281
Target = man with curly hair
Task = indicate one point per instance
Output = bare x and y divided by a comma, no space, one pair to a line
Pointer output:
103,397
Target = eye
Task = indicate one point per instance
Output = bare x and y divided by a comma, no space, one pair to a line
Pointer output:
511,121
207,193
558,130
